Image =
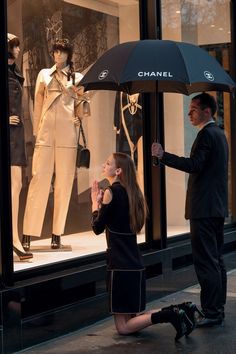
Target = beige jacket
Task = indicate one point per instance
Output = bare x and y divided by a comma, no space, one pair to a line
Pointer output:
54,109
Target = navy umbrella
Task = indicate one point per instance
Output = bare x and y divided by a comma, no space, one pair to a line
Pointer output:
157,66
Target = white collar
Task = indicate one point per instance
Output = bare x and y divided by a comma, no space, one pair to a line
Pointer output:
200,127
54,68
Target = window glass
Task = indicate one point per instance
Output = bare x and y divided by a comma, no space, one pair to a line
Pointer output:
207,24
111,122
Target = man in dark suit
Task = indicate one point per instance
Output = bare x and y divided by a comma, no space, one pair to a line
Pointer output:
206,204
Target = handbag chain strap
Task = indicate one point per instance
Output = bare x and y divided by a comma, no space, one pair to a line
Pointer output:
81,130
62,87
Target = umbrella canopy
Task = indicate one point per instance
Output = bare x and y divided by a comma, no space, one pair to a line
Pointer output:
157,66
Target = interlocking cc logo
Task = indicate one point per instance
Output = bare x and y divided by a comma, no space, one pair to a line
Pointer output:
209,76
103,74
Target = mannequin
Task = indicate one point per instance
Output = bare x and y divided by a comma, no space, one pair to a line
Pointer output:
128,123
55,119
17,140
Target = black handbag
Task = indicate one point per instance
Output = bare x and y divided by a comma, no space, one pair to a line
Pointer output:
83,153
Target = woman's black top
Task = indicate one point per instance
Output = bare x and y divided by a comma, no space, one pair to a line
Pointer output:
123,251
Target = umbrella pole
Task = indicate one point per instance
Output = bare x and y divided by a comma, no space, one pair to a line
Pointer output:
155,160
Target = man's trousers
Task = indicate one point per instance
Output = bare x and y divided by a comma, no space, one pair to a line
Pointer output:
207,238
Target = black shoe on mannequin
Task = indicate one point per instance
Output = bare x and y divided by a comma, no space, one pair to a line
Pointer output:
26,242
23,256
56,242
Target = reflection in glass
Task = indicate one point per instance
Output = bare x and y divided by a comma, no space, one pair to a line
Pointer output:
128,125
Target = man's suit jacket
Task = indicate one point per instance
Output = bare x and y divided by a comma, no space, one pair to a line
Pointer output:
207,192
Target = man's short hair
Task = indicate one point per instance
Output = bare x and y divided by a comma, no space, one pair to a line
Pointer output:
206,101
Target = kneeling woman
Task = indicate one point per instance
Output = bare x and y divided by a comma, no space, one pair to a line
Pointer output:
121,211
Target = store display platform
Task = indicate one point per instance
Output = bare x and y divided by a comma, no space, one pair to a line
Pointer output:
75,245
46,248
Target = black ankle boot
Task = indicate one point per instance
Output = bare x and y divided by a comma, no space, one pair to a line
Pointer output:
56,242
191,311
26,242
174,316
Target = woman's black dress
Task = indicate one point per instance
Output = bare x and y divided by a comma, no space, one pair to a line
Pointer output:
125,269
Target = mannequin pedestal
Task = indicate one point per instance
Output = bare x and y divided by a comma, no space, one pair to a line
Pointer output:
47,248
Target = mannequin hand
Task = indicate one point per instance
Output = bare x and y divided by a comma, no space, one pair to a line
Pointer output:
14,120
77,120
157,150
83,96
79,90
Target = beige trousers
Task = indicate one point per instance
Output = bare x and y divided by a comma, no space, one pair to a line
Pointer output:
46,162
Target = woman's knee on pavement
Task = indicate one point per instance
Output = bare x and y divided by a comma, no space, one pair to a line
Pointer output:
121,324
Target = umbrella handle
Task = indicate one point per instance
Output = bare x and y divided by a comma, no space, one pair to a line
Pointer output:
155,161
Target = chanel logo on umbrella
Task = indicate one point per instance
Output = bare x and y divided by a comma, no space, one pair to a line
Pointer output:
103,75
209,76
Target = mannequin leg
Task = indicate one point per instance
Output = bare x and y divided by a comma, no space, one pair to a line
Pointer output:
16,185
65,160
37,198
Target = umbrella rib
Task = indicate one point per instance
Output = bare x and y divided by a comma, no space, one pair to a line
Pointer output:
185,65
127,60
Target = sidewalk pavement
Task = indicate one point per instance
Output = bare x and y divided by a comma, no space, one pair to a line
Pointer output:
101,338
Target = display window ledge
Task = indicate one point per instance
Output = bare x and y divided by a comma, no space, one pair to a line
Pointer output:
82,244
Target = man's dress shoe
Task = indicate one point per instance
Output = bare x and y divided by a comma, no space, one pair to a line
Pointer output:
208,322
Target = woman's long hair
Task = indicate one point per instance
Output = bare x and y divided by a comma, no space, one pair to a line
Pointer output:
137,203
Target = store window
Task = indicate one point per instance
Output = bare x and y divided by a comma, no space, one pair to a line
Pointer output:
111,121
207,24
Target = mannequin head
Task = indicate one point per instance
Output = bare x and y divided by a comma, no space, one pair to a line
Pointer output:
13,46
64,46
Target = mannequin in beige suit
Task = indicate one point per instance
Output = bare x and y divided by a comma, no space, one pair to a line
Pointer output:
56,100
